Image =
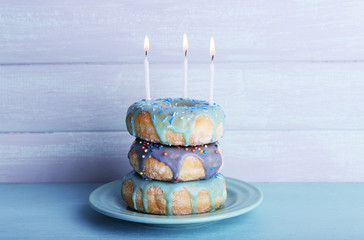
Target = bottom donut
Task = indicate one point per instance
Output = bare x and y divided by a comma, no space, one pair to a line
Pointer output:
166,198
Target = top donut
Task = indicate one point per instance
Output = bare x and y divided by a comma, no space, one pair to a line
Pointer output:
176,121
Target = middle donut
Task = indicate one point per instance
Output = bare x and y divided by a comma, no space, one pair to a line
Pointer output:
175,163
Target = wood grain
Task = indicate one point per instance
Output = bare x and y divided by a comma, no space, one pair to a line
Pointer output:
255,96
95,31
273,156
289,76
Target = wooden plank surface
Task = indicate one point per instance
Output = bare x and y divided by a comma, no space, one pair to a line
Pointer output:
94,31
289,76
273,156
290,211
255,96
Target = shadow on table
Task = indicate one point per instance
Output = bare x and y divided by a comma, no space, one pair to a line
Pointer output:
103,223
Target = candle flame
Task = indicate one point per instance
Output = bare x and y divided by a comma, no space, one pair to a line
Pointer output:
185,44
146,44
212,47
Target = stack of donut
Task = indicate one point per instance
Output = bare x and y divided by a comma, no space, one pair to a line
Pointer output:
176,157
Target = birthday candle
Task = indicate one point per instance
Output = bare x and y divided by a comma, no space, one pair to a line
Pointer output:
146,68
185,65
212,70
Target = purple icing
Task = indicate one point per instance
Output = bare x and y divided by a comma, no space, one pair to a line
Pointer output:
173,156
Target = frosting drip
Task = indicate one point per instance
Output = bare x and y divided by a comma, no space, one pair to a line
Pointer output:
214,187
173,156
176,114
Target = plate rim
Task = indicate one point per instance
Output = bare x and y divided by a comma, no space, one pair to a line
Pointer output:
175,220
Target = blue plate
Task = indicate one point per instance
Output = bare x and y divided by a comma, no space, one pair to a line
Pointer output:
241,198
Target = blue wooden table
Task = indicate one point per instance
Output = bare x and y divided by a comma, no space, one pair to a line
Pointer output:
289,211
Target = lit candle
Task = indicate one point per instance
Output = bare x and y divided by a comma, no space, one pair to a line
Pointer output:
146,68
212,70
185,65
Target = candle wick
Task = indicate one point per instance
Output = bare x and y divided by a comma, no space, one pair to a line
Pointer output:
146,53
212,58
186,53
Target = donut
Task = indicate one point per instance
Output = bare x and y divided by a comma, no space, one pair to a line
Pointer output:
176,121
166,198
175,163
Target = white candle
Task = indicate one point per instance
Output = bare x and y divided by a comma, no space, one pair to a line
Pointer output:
185,65
212,70
146,68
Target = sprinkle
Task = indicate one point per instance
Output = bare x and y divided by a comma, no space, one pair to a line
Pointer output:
160,146
165,119
143,147
215,145
176,179
216,152
164,154
204,152
170,121
160,112
143,156
199,148
181,118
134,142
205,146
151,150
186,149
212,168
178,147
140,142
201,151
193,150
146,150
219,175
141,173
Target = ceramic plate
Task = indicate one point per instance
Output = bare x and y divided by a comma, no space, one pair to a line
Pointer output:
241,198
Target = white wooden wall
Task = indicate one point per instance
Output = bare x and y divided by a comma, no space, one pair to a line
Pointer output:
290,76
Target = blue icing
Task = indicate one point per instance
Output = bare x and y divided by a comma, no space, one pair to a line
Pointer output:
214,187
173,156
177,114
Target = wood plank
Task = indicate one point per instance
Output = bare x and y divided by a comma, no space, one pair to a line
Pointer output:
272,156
94,31
254,95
